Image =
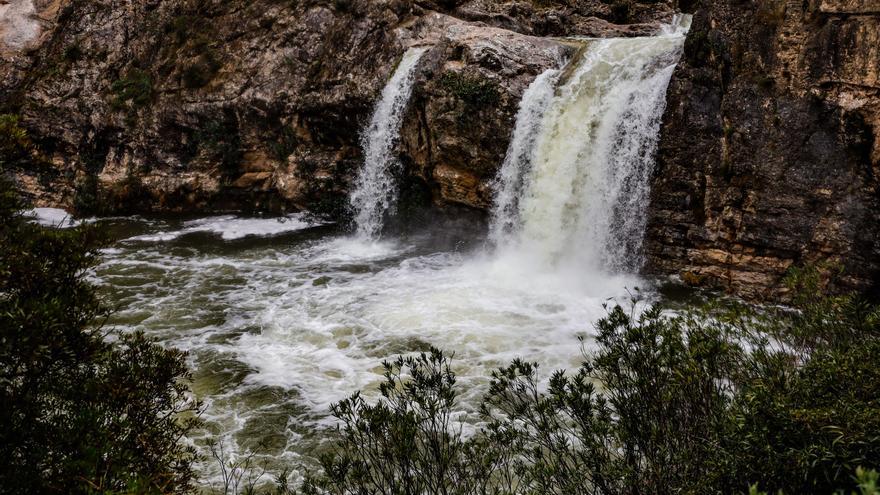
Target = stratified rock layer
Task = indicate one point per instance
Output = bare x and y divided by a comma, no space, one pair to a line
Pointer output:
193,105
771,146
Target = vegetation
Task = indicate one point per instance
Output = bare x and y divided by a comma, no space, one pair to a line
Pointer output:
473,91
222,142
82,412
708,401
732,399
15,146
136,89
18,152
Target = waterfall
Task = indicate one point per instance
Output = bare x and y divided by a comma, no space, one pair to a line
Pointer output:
508,185
584,195
374,193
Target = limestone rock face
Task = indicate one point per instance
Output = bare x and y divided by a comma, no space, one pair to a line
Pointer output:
768,157
148,105
770,150
202,105
462,111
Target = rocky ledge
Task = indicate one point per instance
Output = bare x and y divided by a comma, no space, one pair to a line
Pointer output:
148,105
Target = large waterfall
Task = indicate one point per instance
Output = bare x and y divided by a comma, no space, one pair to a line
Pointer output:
580,161
375,192
285,319
520,155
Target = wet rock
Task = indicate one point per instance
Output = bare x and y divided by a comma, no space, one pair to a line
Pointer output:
462,111
768,158
252,105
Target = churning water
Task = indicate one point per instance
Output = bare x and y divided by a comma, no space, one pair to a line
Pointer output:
283,317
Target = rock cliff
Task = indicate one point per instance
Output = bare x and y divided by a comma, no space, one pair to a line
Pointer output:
149,105
768,156
770,150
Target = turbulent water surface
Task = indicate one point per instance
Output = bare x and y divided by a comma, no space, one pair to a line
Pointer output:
283,317
280,324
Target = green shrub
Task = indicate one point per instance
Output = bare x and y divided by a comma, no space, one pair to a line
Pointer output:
81,414
646,410
473,91
710,401
135,88
405,443
15,145
85,195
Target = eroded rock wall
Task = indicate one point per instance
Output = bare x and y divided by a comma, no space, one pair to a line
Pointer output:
150,105
770,147
204,105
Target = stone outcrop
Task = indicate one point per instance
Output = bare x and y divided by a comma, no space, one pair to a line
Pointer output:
148,105
462,111
770,150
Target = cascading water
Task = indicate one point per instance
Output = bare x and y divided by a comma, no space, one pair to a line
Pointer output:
282,318
520,154
374,191
584,195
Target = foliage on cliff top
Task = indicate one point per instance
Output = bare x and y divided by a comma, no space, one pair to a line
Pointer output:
708,401
473,91
81,413
136,88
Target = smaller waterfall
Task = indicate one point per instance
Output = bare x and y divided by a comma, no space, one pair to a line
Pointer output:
374,193
520,154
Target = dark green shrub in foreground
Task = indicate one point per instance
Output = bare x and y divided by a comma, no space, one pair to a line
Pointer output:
808,414
406,443
80,414
708,401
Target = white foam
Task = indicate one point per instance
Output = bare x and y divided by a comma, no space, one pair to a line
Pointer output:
231,227
309,322
327,340
315,319
18,23
356,249
52,217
